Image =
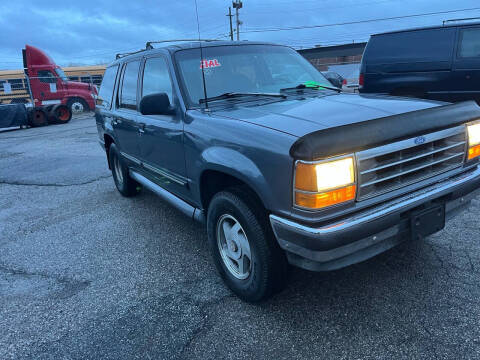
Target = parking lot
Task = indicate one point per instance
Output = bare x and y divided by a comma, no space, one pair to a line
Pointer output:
86,273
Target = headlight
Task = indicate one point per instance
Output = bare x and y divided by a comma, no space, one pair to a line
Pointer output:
324,183
473,140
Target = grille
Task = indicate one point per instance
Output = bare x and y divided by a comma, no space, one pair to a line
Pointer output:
405,162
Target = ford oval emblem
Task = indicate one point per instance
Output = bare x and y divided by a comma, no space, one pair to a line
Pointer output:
420,140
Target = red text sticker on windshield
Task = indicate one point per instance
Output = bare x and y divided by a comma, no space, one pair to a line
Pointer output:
207,64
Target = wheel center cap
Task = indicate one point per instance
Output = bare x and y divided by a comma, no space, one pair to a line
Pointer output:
233,247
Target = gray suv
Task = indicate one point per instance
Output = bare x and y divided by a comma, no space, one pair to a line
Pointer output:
280,165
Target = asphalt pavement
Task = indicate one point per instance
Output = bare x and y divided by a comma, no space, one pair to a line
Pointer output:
88,274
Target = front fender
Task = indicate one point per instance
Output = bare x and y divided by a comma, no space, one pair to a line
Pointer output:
238,165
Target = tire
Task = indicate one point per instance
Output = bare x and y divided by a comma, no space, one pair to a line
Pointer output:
38,117
60,114
77,105
265,273
124,183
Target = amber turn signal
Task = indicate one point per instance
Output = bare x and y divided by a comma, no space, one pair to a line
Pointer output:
474,152
329,198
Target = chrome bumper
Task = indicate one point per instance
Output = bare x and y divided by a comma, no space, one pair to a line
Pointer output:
368,233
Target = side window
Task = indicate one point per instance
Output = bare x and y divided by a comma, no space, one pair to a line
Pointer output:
156,77
469,43
128,94
97,79
106,88
17,84
46,76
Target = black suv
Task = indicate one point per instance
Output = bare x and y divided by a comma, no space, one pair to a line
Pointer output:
281,167
440,63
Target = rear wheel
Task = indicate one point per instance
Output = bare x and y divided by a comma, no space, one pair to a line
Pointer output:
38,117
60,114
124,183
243,247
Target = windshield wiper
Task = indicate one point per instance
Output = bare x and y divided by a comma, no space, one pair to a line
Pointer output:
316,87
230,95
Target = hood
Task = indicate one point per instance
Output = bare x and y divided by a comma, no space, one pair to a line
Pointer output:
299,117
78,85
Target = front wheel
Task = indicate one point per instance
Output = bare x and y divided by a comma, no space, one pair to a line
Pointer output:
243,246
77,105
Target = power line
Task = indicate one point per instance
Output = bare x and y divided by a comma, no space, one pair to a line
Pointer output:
356,22
323,8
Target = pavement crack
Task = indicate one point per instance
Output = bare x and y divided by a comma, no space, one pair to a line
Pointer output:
440,260
472,267
205,324
69,286
17,183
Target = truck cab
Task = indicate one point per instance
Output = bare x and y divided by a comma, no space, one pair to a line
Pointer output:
49,84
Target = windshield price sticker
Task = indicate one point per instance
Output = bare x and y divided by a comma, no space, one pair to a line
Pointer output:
207,64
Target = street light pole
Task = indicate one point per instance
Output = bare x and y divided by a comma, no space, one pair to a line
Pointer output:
230,18
237,4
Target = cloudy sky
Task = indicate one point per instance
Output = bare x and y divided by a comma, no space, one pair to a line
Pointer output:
92,31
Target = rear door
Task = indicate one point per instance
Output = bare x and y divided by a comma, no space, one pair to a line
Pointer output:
125,124
409,62
104,109
161,139
466,78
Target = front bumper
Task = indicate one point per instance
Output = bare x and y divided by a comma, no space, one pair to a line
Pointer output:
361,236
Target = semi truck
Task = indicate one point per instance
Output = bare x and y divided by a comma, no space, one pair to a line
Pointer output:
46,84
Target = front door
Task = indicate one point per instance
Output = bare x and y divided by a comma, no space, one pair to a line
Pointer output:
466,67
161,136
46,87
125,124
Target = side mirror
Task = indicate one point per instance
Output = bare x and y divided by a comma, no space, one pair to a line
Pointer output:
335,79
156,104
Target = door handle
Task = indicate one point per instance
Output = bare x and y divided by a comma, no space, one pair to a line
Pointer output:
141,128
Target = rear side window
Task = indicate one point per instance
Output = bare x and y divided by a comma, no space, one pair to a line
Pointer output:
469,43
156,78
106,88
421,45
128,94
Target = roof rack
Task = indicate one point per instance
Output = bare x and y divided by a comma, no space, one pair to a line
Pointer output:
148,45
120,55
464,19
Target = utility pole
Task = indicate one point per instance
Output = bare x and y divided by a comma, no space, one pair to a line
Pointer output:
237,4
230,18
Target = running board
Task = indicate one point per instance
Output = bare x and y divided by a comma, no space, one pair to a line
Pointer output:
192,212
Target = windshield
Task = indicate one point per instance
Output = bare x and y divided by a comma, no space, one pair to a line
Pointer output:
61,74
244,68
